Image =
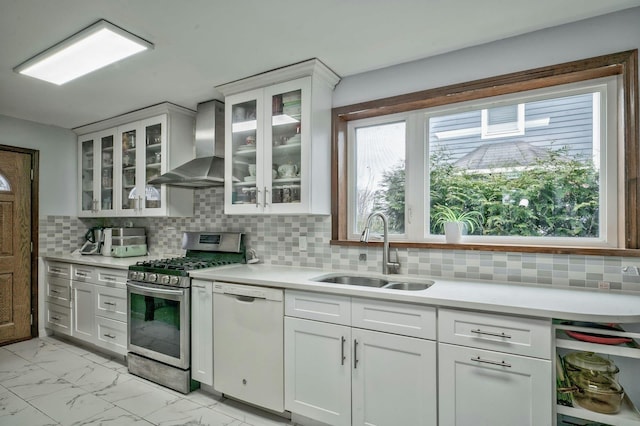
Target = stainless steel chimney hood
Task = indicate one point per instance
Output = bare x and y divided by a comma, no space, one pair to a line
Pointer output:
207,169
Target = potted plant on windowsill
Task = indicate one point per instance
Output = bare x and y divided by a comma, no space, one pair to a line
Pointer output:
455,222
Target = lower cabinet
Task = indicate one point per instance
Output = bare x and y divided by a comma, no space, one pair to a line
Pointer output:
343,375
494,369
480,387
88,303
202,331
84,318
317,376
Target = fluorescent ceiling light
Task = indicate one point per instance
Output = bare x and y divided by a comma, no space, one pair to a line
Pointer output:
94,47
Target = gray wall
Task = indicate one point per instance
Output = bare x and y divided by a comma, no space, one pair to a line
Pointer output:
58,158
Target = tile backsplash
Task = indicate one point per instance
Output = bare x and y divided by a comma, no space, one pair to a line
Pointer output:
276,240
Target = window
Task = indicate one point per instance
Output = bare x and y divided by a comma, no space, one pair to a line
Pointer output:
4,184
537,167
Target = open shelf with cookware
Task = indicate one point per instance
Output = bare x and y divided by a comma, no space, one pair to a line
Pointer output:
595,378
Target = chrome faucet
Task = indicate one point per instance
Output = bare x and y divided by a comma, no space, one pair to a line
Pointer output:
388,267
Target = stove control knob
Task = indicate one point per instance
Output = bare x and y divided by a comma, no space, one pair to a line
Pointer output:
152,278
164,279
141,276
174,280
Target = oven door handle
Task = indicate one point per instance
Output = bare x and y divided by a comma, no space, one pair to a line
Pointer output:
150,291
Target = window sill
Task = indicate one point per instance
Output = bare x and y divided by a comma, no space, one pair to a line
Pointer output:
588,251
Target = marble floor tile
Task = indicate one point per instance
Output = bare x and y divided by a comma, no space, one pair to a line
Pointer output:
48,381
15,411
186,412
71,405
95,377
114,417
35,383
138,397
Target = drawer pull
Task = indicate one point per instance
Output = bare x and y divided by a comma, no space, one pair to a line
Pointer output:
110,336
55,318
488,361
197,286
81,274
56,270
108,278
110,303
54,291
342,356
491,333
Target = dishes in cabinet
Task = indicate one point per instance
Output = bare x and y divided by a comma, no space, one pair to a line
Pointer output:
597,338
597,392
580,362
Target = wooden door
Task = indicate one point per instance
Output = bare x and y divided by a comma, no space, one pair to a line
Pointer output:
15,246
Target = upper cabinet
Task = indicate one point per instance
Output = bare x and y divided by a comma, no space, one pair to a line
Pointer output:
278,141
116,163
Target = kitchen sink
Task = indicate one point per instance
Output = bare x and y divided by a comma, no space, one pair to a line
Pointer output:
354,280
364,281
412,286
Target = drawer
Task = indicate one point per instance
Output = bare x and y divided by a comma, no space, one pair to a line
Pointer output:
58,318
393,317
319,307
58,291
112,277
504,333
111,303
83,273
59,269
112,335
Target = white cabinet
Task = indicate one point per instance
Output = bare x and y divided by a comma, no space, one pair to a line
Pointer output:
493,369
120,155
277,141
202,331
393,380
57,284
341,374
88,303
84,312
317,359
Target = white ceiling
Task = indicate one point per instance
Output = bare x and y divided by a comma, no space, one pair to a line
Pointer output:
200,44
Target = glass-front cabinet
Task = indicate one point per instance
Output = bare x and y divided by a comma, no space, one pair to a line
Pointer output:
141,147
96,173
277,158
116,164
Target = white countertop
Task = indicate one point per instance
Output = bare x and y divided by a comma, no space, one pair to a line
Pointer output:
98,260
528,300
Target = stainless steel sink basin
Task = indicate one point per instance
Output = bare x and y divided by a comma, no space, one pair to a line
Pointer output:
417,286
374,282
354,280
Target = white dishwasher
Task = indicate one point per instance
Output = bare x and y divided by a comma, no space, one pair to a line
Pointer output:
248,344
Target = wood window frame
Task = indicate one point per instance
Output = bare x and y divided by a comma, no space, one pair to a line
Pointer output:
623,64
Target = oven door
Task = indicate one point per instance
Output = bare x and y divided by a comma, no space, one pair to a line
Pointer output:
158,323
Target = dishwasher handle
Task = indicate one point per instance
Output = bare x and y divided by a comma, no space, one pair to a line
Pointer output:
245,299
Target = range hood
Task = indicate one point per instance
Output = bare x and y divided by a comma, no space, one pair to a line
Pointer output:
207,169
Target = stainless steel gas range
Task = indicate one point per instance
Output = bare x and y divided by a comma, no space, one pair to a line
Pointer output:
159,307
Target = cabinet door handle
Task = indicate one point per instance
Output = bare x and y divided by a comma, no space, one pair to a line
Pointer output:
266,191
491,333
140,205
488,361
110,336
257,198
110,303
355,354
342,356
